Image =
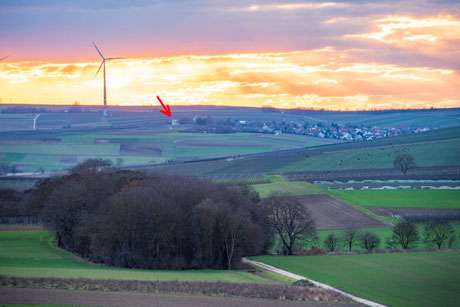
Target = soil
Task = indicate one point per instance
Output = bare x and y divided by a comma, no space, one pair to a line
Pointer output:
20,227
329,213
140,149
418,173
105,298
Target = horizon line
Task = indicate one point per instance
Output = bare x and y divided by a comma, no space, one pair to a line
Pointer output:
230,106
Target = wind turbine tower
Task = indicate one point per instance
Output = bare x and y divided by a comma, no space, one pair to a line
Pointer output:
104,113
6,56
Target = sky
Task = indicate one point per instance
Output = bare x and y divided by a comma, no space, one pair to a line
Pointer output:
334,55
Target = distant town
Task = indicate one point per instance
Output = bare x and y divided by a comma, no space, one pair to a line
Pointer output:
347,132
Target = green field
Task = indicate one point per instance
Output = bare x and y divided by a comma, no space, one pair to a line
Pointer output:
59,149
402,198
430,154
32,254
293,188
401,279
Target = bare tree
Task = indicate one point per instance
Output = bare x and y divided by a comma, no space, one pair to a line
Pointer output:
291,221
5,168
232,229
405,234
330,242
438,232
350,236
370,241
403,162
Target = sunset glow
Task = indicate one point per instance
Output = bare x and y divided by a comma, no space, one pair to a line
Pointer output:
370,61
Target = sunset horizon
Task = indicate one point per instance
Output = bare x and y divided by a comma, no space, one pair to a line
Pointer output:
348,56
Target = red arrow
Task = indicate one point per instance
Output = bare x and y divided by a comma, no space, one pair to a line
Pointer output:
167,110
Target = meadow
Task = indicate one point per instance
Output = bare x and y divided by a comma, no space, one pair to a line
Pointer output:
33,254
292,188
440,153
399,279
449,199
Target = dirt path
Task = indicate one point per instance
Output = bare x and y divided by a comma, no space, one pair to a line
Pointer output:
104,298
317,284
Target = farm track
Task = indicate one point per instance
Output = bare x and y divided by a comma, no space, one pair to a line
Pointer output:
315,283
104,298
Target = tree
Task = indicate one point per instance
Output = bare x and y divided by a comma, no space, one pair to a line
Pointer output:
405,234
370,241
330,242
291,221
5,168
403,162
438,232
91,165
350,236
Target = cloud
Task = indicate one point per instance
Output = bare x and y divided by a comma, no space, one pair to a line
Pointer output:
318,78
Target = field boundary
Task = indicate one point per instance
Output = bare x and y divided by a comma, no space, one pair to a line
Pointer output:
314,282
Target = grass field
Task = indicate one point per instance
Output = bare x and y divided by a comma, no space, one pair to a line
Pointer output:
449,199
32,254
401,279
293,188
429,154
55,150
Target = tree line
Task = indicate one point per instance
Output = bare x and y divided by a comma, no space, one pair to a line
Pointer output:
405,235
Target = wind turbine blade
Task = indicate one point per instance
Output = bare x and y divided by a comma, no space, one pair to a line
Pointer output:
98,51
7,56
113,58
100,66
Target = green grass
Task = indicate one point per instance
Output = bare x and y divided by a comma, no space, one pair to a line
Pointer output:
401,279
32,254
402,198
293,188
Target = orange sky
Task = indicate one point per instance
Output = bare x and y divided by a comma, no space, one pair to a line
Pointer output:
415,68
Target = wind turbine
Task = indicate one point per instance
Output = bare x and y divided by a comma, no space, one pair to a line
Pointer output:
105,91
6,56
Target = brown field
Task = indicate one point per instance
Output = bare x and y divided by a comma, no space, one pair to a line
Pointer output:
270,292
388,211
20,227
419,173
105,298
68,159
211,142
141,149
32,141
329,213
